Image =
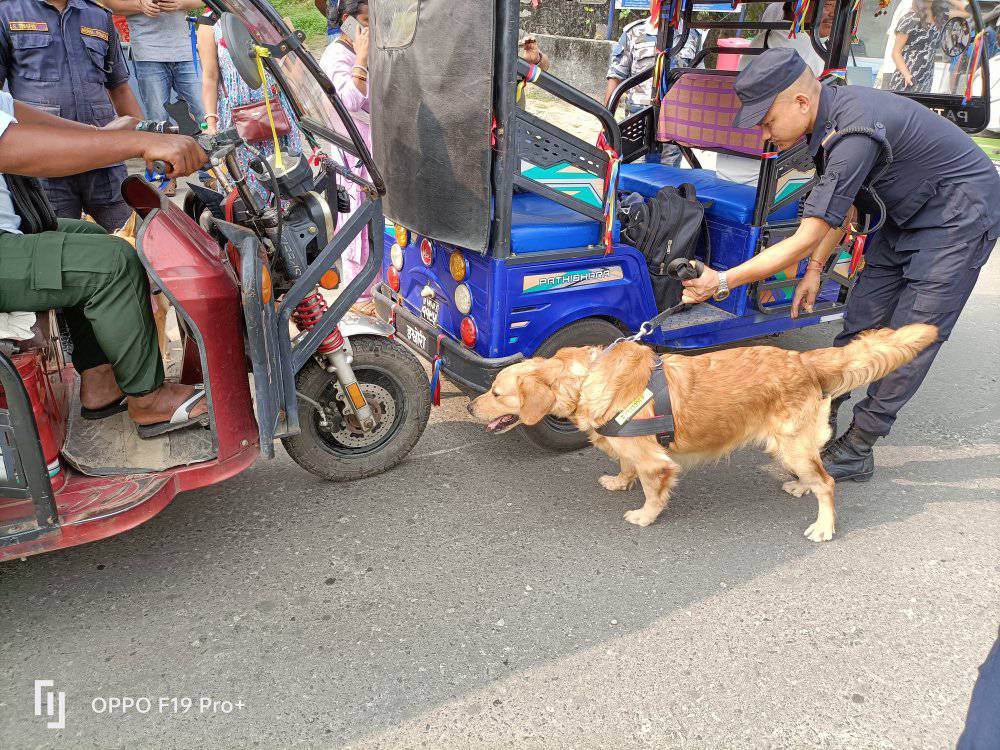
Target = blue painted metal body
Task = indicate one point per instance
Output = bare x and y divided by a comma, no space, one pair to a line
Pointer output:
520,301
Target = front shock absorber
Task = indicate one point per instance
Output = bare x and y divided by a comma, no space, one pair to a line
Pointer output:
332,349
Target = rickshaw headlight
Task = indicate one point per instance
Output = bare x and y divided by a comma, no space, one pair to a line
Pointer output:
463,299
458,265
402,235
392,276
468,331
396,255
427,252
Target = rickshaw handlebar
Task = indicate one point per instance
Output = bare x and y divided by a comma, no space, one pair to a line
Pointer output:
567,93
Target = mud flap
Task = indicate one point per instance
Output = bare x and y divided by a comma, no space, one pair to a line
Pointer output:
271,390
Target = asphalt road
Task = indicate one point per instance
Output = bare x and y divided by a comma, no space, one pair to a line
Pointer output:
484,594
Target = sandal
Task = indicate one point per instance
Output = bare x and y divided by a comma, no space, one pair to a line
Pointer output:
181,418
108,410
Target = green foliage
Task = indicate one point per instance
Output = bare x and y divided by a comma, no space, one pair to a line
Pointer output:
304,16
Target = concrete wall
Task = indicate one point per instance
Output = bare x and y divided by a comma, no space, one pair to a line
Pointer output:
580,62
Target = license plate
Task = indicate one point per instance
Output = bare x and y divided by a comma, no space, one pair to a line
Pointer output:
430,309
422,340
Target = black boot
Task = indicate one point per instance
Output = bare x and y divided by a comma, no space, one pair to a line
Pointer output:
849,457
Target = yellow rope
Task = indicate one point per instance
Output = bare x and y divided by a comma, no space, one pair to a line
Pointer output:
261,53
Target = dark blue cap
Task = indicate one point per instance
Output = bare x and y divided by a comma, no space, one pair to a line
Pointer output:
757,85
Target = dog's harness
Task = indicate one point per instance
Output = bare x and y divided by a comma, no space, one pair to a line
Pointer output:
661,425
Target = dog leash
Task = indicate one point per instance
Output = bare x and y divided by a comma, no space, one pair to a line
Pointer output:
681,269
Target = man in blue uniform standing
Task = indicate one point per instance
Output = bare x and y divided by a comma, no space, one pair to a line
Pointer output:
64,57
939,194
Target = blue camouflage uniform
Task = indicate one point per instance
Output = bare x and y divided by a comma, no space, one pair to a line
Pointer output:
64,64
940,192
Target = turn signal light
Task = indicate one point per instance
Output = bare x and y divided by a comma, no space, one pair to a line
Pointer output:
402,236
330,279
426,251
266,292
468,330
458,265
392,276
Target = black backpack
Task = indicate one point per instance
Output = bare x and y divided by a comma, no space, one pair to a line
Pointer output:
662,229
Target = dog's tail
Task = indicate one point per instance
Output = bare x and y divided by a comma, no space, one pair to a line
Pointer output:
872,355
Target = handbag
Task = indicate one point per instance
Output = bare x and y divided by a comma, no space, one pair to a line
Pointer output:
251,123
250,120
31,204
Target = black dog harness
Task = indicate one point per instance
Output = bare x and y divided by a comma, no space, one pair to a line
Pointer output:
661,425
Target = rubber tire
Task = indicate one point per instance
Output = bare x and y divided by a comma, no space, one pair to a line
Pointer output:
307,448
586,332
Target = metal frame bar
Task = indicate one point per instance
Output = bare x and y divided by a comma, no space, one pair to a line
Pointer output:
37,485
366,217
505,81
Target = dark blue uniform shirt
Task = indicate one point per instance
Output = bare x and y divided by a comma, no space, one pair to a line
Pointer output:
63,63
940,190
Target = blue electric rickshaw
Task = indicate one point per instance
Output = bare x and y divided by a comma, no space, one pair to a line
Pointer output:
501,241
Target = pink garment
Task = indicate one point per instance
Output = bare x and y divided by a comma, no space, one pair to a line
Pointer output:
337,62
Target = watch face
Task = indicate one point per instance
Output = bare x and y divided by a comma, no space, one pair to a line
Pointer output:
720,295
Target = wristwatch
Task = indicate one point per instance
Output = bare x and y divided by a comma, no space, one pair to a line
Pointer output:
723,290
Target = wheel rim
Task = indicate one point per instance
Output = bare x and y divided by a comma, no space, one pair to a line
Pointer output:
343,437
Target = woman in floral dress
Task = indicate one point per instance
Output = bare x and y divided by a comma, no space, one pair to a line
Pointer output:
222,89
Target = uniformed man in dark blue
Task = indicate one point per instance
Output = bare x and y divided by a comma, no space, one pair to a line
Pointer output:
64,57
940,196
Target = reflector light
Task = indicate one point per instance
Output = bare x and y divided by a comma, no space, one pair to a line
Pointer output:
463,299
468,329
402,235
396,256
426,251
392,276
458,265
330,279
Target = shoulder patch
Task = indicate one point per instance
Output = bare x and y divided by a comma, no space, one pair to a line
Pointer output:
98,33
28,26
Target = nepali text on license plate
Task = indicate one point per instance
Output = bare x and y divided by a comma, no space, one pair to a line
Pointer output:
422,340
430,308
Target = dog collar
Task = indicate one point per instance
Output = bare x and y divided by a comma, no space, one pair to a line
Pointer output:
661,425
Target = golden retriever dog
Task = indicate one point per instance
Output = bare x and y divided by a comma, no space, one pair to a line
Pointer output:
762,395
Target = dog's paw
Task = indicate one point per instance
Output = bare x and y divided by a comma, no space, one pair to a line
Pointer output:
796,488
819,532
615,482
639,517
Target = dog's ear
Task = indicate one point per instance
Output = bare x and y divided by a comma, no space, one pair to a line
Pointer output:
616,378
537,398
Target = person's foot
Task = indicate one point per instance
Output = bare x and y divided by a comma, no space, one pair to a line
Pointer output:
160,405
98,388
850,457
